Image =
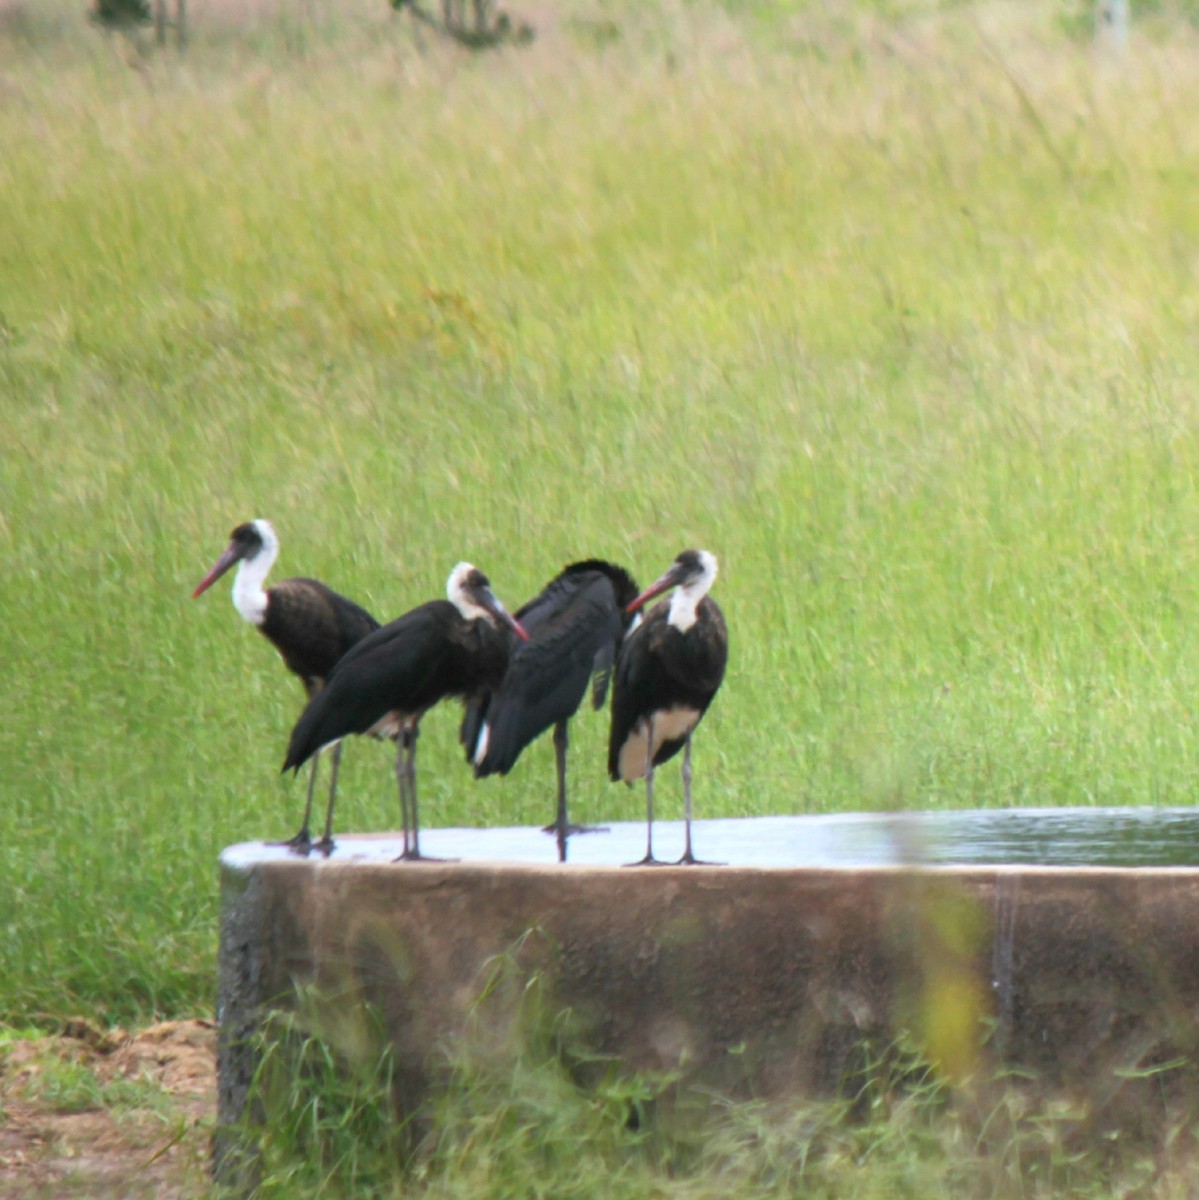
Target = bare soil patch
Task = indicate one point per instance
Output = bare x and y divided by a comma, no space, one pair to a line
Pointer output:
108,1114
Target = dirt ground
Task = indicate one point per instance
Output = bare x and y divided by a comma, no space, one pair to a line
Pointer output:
108,1115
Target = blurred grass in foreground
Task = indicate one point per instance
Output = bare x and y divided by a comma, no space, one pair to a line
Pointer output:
542,1122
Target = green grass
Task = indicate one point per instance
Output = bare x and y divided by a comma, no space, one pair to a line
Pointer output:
896,317
892,308
531,1119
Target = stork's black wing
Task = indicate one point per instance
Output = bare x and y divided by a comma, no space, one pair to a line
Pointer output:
633,685
660,669
558,592
312,626
574,626
404,667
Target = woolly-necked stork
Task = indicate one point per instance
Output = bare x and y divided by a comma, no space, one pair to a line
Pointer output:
669,669
389,680
575,626
310,625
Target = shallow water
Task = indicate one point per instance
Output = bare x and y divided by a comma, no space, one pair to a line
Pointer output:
1112,837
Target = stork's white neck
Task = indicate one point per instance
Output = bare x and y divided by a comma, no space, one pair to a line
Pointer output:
682,608
249,596
685,601
459,596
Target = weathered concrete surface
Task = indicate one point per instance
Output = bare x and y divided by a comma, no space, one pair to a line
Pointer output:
751,981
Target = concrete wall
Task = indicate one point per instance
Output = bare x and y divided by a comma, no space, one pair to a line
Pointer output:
750,981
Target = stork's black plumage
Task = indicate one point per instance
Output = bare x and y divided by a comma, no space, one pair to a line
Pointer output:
669,669
575,626
310,625
389,680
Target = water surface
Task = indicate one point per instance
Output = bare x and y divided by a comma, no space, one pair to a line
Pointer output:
1109,837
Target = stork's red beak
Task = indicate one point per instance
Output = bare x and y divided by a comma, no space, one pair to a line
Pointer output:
493,604
655,589
222,564
512,623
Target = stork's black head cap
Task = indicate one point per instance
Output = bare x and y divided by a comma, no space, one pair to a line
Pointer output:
247,536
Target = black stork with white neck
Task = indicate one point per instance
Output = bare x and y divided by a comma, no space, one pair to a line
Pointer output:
384,685
575,626
310,625
669,669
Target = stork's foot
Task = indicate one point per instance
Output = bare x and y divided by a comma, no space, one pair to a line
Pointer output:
689,860
571,829
325,845
301,843
417,856
649,861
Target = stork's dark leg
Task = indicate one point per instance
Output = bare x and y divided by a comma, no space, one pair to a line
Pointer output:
402,781
325,845
649,860
411,845
410,775
301,841
561,825
688,857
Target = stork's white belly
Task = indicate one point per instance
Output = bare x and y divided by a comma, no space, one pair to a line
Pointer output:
669,725
482,744
390,726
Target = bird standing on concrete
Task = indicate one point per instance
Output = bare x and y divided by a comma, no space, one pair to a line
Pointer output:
669,669
454,647
575,626
310,625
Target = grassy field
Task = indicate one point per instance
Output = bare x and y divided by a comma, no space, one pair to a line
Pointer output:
897,318
894,313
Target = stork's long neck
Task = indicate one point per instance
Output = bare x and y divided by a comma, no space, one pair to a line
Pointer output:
459,595
249,596
684,602
470,611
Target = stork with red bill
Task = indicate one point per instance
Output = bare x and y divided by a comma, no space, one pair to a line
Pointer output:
669,669
310,625
457,647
